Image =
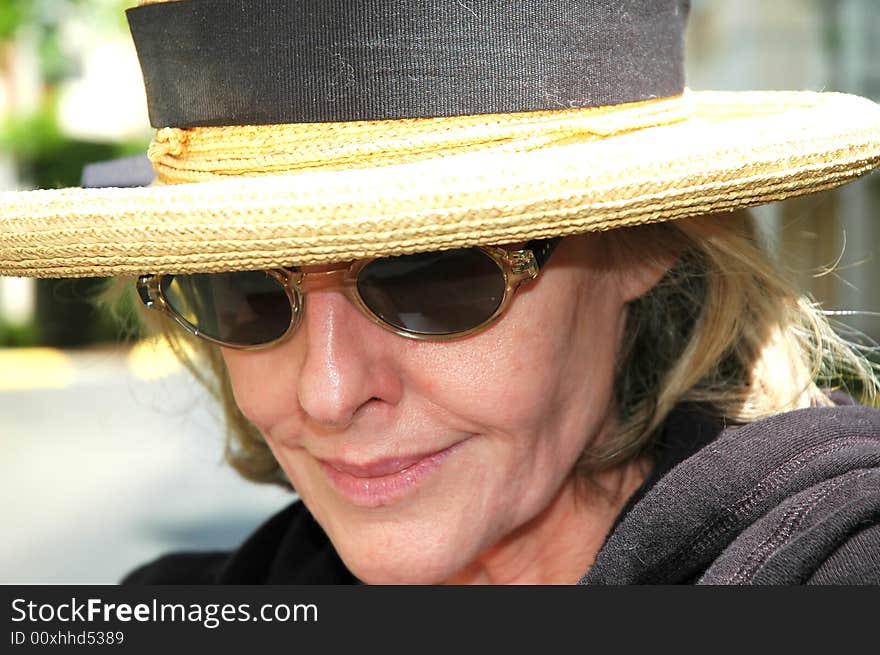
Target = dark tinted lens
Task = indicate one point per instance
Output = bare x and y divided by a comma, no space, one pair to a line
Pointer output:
433,293
243,308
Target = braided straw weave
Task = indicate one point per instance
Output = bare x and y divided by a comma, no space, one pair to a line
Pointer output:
210,153
256,197
330,200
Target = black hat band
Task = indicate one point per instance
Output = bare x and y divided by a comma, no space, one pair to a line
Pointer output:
258,62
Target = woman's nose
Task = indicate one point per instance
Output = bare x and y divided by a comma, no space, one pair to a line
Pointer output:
345,368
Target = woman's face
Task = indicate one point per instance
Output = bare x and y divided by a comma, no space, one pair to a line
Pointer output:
418,457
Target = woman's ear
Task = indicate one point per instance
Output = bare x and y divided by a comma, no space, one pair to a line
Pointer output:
638,277
642,256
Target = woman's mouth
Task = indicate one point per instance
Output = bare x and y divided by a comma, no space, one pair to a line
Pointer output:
385,481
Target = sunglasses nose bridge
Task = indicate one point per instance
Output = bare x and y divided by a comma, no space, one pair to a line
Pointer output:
315,281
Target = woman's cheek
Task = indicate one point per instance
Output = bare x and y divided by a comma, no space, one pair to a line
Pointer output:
255,394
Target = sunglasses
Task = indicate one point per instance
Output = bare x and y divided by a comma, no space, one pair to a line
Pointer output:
433,296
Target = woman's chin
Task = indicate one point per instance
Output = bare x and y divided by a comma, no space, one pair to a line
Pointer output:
400,572
414,564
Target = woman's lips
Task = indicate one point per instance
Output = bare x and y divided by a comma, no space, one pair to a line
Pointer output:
385,481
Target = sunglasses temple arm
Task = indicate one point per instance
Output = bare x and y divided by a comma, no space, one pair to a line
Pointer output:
542,249
147,287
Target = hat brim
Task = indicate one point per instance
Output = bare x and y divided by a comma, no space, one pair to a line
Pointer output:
738,149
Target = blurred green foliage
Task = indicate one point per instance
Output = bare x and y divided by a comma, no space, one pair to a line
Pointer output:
13,335
48,158
44,20
12,15
43,14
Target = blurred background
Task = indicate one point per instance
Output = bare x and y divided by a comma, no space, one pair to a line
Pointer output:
111,455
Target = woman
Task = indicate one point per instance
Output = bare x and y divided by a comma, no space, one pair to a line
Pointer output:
625,391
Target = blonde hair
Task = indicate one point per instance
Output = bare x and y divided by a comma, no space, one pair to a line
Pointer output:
723,327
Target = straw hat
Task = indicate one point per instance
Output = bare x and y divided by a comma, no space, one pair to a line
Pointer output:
317,131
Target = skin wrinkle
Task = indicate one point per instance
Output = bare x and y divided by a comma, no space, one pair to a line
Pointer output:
523,566
521,399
